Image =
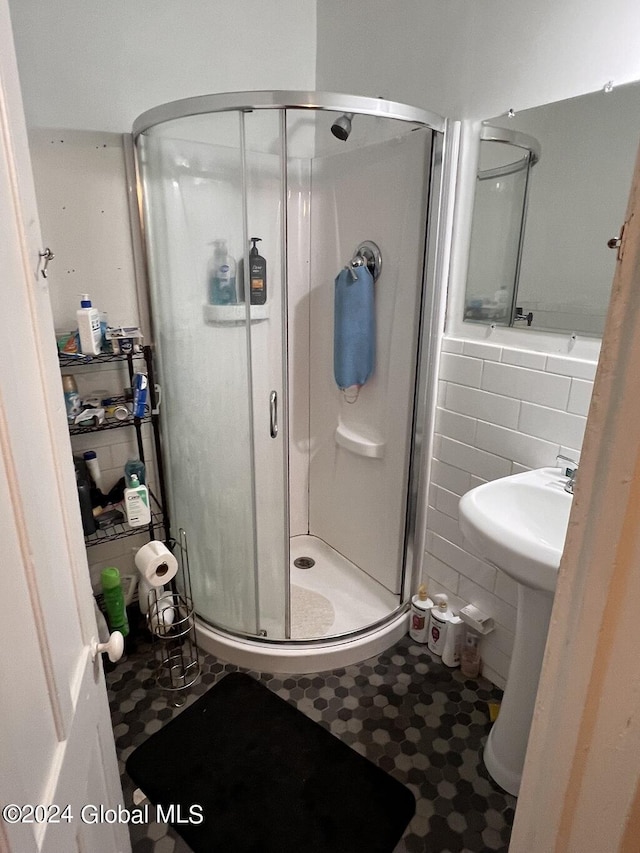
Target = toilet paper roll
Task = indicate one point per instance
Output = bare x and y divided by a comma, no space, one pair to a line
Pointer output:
156,563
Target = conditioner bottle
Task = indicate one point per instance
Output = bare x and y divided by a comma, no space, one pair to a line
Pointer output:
438,624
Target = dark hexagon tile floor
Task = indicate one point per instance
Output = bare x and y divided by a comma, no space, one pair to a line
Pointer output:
423,723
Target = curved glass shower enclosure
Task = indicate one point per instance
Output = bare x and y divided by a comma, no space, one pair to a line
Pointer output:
499,213
297,501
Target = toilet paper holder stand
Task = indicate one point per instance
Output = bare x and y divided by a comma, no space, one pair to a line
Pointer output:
171,622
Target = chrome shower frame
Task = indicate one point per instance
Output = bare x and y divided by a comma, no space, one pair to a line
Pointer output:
434,254
283,100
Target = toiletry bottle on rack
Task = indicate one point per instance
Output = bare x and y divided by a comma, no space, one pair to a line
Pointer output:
114,600
89,330
91,459
421,604
140,393
438,624
84,498
136,504
257,274
71,397
135,466
222,280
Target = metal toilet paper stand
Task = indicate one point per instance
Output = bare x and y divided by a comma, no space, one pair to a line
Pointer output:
171,622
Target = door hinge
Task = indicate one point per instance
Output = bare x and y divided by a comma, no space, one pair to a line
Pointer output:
46,255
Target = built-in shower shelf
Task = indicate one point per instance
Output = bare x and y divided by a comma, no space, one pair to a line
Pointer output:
234,315
359,444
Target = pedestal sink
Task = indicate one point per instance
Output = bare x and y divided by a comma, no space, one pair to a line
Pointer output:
519,524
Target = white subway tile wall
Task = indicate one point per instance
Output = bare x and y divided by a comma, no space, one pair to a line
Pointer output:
500,411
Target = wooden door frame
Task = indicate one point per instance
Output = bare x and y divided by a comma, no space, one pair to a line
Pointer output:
580,789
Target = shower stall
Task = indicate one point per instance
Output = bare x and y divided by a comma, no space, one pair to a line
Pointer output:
299,503
505,161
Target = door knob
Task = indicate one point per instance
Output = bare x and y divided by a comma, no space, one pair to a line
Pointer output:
113,647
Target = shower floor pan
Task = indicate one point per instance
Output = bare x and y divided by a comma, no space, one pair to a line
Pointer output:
331,598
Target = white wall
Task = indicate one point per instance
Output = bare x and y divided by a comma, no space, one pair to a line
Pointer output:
476,60
96,66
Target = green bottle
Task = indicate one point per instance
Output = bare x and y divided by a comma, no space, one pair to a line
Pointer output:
114,600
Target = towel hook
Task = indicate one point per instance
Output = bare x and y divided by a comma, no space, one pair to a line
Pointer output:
368,254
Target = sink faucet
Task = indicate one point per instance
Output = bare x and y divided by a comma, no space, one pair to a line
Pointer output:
570,471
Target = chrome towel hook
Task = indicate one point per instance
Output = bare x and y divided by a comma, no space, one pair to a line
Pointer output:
367,254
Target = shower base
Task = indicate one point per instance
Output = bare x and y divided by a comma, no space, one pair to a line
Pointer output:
333,597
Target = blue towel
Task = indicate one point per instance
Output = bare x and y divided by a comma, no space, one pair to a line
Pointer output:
354,334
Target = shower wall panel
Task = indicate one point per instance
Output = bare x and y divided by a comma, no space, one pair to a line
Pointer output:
379,193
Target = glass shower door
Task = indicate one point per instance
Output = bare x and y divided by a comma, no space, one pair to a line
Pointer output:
203,189
265,300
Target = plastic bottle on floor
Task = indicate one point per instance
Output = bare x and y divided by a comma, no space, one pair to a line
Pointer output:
421,604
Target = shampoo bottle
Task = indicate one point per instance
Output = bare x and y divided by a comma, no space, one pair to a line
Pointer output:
114,600
89,329
421,604
136,503
222,280
257,274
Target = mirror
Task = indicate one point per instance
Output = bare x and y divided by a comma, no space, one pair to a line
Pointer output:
539,257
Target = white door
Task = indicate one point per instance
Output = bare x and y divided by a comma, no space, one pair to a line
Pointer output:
56,744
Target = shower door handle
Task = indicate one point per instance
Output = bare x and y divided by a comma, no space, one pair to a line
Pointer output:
273,414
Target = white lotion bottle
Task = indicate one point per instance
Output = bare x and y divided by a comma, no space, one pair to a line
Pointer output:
421,604
89,330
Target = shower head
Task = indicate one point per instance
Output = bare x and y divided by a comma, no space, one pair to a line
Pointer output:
341,128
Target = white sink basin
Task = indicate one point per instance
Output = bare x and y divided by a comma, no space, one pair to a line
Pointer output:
519,524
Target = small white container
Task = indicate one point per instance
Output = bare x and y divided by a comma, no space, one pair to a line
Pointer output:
453,642
421,604
470,661
89,331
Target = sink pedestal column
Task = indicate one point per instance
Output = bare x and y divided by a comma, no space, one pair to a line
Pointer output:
507,743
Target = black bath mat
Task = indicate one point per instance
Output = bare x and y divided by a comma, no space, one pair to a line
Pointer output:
269,779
